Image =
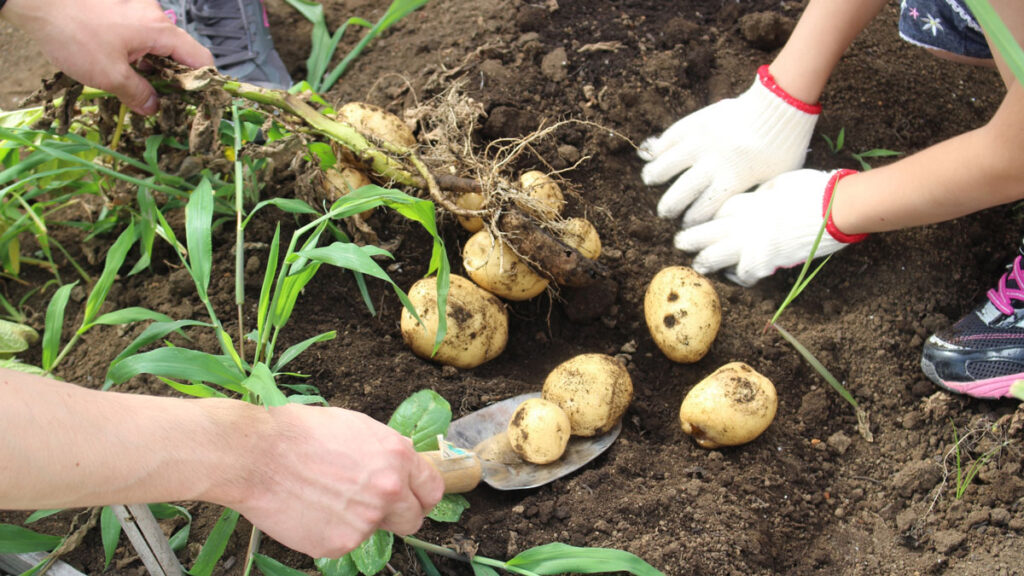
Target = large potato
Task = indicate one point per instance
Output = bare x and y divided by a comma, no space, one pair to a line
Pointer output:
498,269
538,431
544,198
683,313
732,406
477,323
594,390
377,122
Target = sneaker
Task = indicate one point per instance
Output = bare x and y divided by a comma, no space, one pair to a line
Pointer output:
237,33
982,355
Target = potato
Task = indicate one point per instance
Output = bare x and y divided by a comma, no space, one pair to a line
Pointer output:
477,323
495,267
594,390
580,234
378,122
470,201
732,406
545,199
538,431
683,313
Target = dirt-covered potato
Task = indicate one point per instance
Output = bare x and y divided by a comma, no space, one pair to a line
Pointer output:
377,122
579,233
732,406
477,323
594,390
545,199
470,201
494,266
538,431
683,313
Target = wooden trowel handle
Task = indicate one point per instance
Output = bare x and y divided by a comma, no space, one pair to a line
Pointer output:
461,473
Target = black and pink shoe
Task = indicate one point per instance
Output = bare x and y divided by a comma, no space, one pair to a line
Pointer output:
982,355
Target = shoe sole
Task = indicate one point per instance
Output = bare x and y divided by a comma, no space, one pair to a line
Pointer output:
990,389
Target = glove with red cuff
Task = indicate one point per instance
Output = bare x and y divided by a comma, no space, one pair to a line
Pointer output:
727,148
773,227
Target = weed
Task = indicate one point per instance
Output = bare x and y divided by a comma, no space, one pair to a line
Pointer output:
966,472
324,44
836,146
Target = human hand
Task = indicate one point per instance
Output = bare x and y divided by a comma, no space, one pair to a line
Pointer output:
330,477
727,148
773,227
97,41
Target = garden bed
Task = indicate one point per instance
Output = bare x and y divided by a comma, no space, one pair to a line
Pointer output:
811,495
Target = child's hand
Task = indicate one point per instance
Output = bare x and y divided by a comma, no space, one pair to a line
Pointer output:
773,227
98,41
727,148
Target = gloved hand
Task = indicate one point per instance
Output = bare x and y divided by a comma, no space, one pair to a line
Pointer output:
727,148
773,227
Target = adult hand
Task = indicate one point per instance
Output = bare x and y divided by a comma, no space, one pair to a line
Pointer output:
97,41
330,477
727,148
773,227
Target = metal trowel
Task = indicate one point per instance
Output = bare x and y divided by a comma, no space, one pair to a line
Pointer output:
477,448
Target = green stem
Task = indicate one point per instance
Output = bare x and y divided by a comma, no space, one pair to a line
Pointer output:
64,352
449,553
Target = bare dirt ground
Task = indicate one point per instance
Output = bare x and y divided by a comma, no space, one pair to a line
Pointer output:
811,495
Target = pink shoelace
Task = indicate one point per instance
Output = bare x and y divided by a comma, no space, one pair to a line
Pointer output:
1001,296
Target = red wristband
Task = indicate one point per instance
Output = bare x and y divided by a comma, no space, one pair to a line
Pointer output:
830,225
768,81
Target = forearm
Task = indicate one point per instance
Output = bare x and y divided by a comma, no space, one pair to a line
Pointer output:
824,32
62,445
962,175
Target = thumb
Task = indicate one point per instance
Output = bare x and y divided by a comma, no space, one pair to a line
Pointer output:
135,92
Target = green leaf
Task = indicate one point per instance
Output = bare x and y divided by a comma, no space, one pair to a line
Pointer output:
449,509
15,338
289,205
481,570
152,333
351,257
1017,389
112,263
198,221
268,281
558,558
195,389
18,540
294,351
180,364
129,315
999,35
40,514
261,383
422,417
271,567
373,555
215,544
55,324
110,534
343,566
324,153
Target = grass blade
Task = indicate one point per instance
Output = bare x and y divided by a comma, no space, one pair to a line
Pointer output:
113,261
216,544
18,540
198,237
180,364
110,534
294,351
999,35
55,324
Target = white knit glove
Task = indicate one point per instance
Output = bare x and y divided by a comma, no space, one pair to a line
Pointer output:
773,227
727,148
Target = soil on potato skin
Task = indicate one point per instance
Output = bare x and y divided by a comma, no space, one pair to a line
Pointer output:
811,495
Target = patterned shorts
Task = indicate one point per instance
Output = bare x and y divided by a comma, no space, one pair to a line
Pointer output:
944,25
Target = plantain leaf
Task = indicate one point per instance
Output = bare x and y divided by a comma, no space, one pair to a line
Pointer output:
422,417
373,554
15,338
343,566
449,509
558,558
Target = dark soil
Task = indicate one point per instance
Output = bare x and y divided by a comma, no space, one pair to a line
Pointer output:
810,495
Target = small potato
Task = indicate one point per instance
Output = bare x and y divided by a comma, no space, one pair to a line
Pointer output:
579,233
477,323
683,313
498,269
546,201
594,390
732,406
538,431
377,122
470,201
